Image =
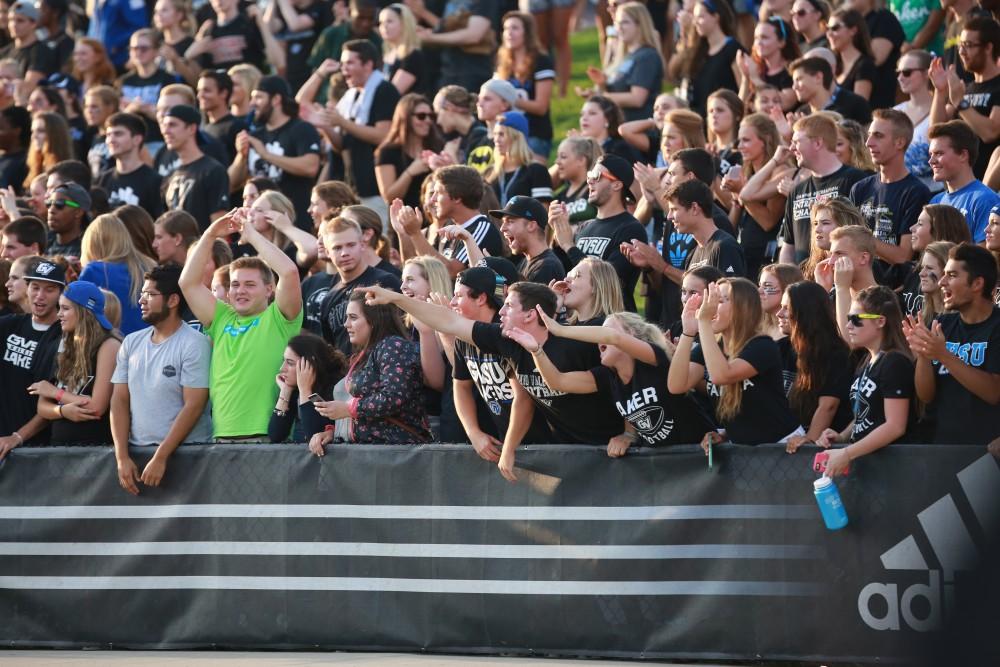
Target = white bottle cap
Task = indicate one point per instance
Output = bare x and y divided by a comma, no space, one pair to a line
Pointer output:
822,483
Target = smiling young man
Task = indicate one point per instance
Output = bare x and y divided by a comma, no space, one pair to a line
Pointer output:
890,200
68,205
22,238
199,185
166,365
29,343
953,150
524,223
130,181
958,358
689,209
248,336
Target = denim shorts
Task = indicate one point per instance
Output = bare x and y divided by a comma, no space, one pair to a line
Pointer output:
540,146
542,6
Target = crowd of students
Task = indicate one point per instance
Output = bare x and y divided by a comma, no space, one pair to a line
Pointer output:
269,230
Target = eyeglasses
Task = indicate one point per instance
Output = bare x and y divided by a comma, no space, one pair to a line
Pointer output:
60,204
423,115
858,319
149,295
968,46
906,72
597,174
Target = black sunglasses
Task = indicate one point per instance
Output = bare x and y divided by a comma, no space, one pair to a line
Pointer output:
858,319
60,204
907,71
424,115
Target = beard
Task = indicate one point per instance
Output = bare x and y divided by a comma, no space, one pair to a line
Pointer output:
263,116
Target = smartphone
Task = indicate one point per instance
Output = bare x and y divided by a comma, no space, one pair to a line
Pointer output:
819,463
710,462
316,398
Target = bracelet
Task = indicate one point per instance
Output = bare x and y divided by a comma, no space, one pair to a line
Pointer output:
684,333
59,395
59,411
538,350
20,440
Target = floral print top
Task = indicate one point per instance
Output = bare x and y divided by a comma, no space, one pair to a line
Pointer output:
387,386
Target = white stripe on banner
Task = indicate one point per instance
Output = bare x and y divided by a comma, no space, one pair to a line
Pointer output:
440,512
396,550
377,584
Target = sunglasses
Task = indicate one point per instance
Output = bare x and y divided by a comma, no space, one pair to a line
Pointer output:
597,174
423,115
906,72
800,13
858,319
834,27
60,204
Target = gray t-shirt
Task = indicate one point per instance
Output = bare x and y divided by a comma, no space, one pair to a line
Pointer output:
156,374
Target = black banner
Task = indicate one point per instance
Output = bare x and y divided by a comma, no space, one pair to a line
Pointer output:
428,548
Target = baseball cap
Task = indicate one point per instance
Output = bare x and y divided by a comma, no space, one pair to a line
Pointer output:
28,10
185,113
503,267
505,90
63,82
47,272
515,120
485,281
520,206
74,193
88,295
620,168
274,85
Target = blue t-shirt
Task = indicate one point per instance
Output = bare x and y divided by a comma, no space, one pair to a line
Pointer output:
975,201
115,278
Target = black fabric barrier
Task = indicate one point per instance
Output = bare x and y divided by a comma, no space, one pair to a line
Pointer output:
428,548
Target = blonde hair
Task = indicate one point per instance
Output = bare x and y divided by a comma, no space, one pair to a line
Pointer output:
181,90
246,75
80,348
745,325
584,147
282,204
648,36
691,125
934,303
859,235
844,213
410,42
519,154
107,240
637,327
436,275
112,308
606,287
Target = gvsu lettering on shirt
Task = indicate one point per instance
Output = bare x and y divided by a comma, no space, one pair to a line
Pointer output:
971,354
19,351
593,245
491,379
649,419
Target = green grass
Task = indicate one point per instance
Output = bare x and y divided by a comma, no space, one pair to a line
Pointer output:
566,111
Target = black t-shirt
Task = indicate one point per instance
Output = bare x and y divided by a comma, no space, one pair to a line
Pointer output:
333,308
414,63
542,268
883,23
488,371
486,236
71,249
61,46
890,376
911,298
166,161
863,70
574,418
298,45
797,225
236,42
643,68
789,365
145,89
983,97
362,153
764,415
532,180
721,251
848,104
293,139
224,131
837,378
963,417
890,209
13,170
469,70
201,188
539,126
314,290
138,188
95,432
394,155
659,417
602,238
27,358
715,73
36,57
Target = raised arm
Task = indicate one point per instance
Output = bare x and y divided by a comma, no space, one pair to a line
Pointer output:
437,317
627,343
684,374
305,243
288,292
200,298
574,382
720,369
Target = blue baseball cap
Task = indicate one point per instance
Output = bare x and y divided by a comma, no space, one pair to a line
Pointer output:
88,295
515,120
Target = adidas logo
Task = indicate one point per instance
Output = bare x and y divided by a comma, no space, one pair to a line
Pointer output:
953,549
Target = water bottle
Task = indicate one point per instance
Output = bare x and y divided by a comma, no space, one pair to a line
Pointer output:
830,506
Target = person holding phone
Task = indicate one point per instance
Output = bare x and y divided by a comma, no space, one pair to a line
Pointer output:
310,368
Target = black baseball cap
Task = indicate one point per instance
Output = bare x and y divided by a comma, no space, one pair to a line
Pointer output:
620,169
185,113
485,281
274,85
47,272
502,267
520,206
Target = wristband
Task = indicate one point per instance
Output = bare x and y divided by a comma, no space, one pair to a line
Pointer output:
684,333
59,411
59,395
20,440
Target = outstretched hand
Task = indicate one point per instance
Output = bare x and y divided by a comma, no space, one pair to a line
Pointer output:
523,338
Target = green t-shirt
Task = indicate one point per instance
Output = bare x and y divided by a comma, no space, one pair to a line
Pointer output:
246,355
912,15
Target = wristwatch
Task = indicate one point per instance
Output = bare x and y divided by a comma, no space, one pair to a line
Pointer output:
964,104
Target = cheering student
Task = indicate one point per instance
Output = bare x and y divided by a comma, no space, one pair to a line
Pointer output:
384,381
633,371
574,158
816,362
958,366
744,371
883,390
590,292
930,268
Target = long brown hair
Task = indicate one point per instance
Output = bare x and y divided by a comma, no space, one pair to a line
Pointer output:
745,324
58,147
400,131
880,300
507,65
694,59
385,320
814,338
80,348
934,303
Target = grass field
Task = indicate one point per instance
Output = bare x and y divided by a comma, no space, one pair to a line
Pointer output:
566,111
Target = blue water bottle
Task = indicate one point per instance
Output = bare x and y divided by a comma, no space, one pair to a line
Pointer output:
830,506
